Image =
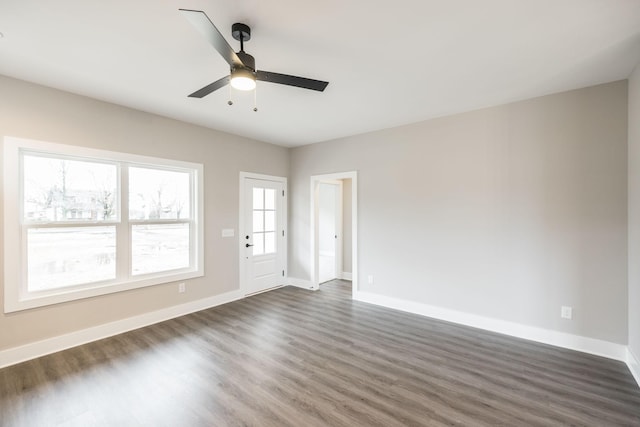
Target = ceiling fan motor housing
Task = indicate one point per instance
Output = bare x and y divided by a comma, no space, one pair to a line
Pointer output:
248,60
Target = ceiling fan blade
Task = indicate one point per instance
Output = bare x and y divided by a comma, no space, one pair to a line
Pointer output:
285,79
203,24
201,93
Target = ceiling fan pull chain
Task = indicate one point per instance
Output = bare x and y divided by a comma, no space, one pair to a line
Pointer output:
230,102
255,99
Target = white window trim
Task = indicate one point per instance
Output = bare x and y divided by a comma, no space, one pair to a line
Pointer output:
15,251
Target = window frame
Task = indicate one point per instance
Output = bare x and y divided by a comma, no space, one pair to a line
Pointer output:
133,222
16,295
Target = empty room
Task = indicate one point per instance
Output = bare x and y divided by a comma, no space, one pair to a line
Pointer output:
421,213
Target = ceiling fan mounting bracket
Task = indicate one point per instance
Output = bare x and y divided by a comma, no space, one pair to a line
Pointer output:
241,32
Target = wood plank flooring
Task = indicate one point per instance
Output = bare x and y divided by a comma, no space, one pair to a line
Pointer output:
291,357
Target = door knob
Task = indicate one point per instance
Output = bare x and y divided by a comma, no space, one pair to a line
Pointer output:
247,245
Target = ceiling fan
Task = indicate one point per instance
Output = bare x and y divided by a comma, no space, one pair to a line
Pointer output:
243,66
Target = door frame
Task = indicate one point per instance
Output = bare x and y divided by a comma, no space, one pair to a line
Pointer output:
338,218
241,215
313,229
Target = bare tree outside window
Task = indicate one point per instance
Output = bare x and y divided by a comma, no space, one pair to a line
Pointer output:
58,190
158,194
68,190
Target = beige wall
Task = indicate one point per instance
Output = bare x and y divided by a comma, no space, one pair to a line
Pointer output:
36,112
634,213
506,212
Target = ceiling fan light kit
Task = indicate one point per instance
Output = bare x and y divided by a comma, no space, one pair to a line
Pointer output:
243,79
243,74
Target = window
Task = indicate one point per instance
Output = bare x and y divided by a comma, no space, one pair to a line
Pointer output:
85,222
264,221
159,211
69,216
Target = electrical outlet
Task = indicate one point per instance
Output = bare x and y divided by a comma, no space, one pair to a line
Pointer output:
182,288
566,312
370,279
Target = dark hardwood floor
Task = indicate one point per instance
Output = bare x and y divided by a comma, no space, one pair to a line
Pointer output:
291,357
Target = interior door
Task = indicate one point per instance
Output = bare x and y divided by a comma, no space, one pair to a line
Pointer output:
329,231
262,240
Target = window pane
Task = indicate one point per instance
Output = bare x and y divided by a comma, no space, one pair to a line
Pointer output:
158,194
269,221
269,198
258,198
69,256
258,221
269,243
159,247
258,243
68,190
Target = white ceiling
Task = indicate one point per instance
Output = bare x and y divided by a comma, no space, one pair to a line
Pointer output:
388,62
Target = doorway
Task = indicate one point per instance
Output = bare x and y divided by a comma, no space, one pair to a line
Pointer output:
333,238
262,225
330,235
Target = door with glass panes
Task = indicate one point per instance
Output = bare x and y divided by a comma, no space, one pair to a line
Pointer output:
262,240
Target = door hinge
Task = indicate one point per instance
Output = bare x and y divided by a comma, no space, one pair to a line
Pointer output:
282,233
282,273
282,193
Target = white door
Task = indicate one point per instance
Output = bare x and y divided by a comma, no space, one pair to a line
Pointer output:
262,243
315,181
329,231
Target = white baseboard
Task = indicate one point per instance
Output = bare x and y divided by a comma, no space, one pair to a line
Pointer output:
634,365
546,336
36,349
302,283
346,276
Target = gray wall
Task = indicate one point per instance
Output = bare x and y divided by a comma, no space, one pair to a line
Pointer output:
506,212
36,112
634,213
